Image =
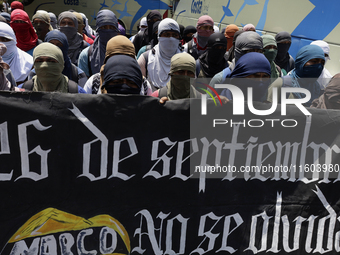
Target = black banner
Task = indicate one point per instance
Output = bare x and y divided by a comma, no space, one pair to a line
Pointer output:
104,174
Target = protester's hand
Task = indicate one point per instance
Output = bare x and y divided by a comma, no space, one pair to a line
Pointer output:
163,100
223,99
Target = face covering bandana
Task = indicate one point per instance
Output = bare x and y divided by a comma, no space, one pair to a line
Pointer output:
49,74
11,49
20,27
179,87
202,40
70,32
106,34
260,86
270,54
216,55
168,46
187,38
40,29
282,49
312,71
121,89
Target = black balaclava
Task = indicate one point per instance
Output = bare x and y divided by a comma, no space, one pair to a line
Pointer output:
188,30
153,14
213,61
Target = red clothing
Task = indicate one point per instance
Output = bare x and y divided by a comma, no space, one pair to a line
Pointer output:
17,5
198,46
24,32
87,39
155,93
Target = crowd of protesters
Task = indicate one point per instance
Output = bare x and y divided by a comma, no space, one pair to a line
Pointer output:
63,53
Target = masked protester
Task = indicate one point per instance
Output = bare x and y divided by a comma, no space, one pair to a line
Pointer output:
106,27
229,34
183,68
54,20
27,39
155,63
87,29
198,45
213,60
309,63
188,32
42,24
251,70
68,24
231,51
19,61
245,42
153,42
145,38
325,76
122,75
70,70
117,45
270,51
81,27
48,65
141,27
283,59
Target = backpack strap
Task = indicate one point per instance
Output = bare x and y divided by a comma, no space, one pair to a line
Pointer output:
146,57
72,86
198,67
89,53
28,85
191,49
75,77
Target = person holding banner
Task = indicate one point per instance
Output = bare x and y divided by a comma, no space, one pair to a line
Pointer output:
118,45
121,75
182,69
246,41
48,65
73,72
255,67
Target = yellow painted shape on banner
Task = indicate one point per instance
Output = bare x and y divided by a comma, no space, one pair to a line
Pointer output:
51,220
